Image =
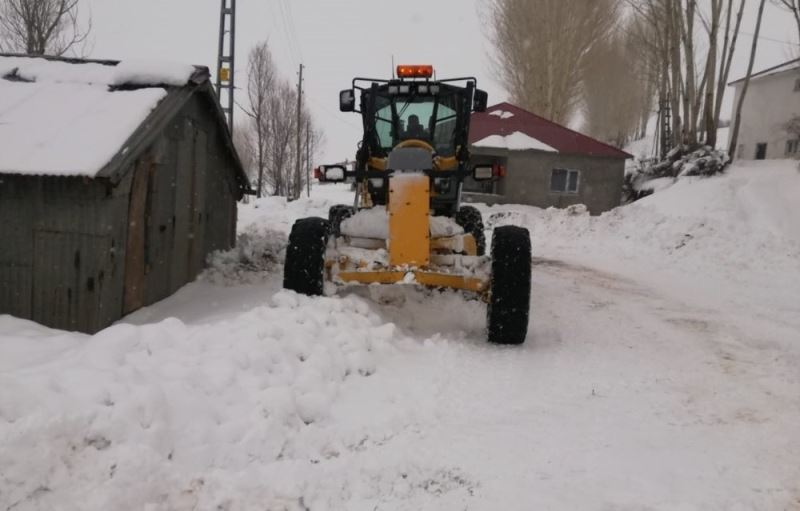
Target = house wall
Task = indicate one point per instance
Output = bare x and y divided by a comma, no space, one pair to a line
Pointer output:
771,101
528,180
65,259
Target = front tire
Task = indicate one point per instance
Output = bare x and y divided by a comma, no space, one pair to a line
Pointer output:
470,219
304,269
336,215
509,301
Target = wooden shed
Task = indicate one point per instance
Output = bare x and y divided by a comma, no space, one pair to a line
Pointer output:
116,182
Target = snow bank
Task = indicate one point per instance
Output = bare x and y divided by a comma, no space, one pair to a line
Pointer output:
169,416
517,141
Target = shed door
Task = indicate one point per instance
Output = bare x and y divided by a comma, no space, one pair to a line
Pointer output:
137,238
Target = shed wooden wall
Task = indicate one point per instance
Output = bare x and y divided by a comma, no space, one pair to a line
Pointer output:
63,250
65,259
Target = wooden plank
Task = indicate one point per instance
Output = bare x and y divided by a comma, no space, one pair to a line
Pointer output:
197,251
135,247
179,269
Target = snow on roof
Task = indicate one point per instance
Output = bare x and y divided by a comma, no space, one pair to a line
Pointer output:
65,118
516,141
499,125
502,114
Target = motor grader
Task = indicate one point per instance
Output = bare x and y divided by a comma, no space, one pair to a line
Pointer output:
407,224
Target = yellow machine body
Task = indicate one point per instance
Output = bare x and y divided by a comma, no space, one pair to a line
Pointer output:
410,255
409,220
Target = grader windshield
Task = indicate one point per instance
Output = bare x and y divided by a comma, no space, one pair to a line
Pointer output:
421,111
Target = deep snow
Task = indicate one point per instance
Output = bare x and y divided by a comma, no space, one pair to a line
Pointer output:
660,373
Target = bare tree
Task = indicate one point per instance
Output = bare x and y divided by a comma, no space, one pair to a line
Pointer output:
728,50
738,117
793,6
39,27
693,76
269,136
541,49
260,89
618,91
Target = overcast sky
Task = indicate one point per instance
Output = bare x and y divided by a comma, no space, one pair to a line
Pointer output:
338,40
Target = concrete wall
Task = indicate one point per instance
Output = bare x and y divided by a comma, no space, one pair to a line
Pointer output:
770,102
64,253
528,180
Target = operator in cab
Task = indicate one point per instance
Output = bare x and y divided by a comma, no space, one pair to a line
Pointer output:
415,129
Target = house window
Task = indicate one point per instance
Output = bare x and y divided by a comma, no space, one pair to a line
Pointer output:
792,147
761,151
565,181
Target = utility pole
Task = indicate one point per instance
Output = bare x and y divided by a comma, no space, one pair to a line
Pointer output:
226,60
299,123
308,159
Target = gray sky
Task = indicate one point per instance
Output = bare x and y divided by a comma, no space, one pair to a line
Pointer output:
338,40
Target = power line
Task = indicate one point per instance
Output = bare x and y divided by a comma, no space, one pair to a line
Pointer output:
293,28
331,113
765,38
290,43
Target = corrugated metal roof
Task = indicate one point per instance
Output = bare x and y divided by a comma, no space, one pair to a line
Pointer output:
504,119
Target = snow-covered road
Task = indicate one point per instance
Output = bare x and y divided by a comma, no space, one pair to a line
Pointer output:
660,373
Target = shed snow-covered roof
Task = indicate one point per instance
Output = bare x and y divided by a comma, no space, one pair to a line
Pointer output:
70,118
506,126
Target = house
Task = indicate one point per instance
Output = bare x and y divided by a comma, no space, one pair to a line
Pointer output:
544,164
116,181
773,98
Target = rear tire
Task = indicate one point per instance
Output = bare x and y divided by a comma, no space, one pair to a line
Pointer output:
470,219
336,215
304,269
509,302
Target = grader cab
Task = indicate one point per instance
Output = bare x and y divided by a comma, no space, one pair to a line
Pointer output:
407,224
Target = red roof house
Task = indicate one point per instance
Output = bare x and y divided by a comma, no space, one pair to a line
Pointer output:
543,163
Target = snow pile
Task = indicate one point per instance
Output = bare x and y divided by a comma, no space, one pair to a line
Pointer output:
649,174
229,415
60,118
736,227
516,141
444,226
367,223
258,253
374,223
